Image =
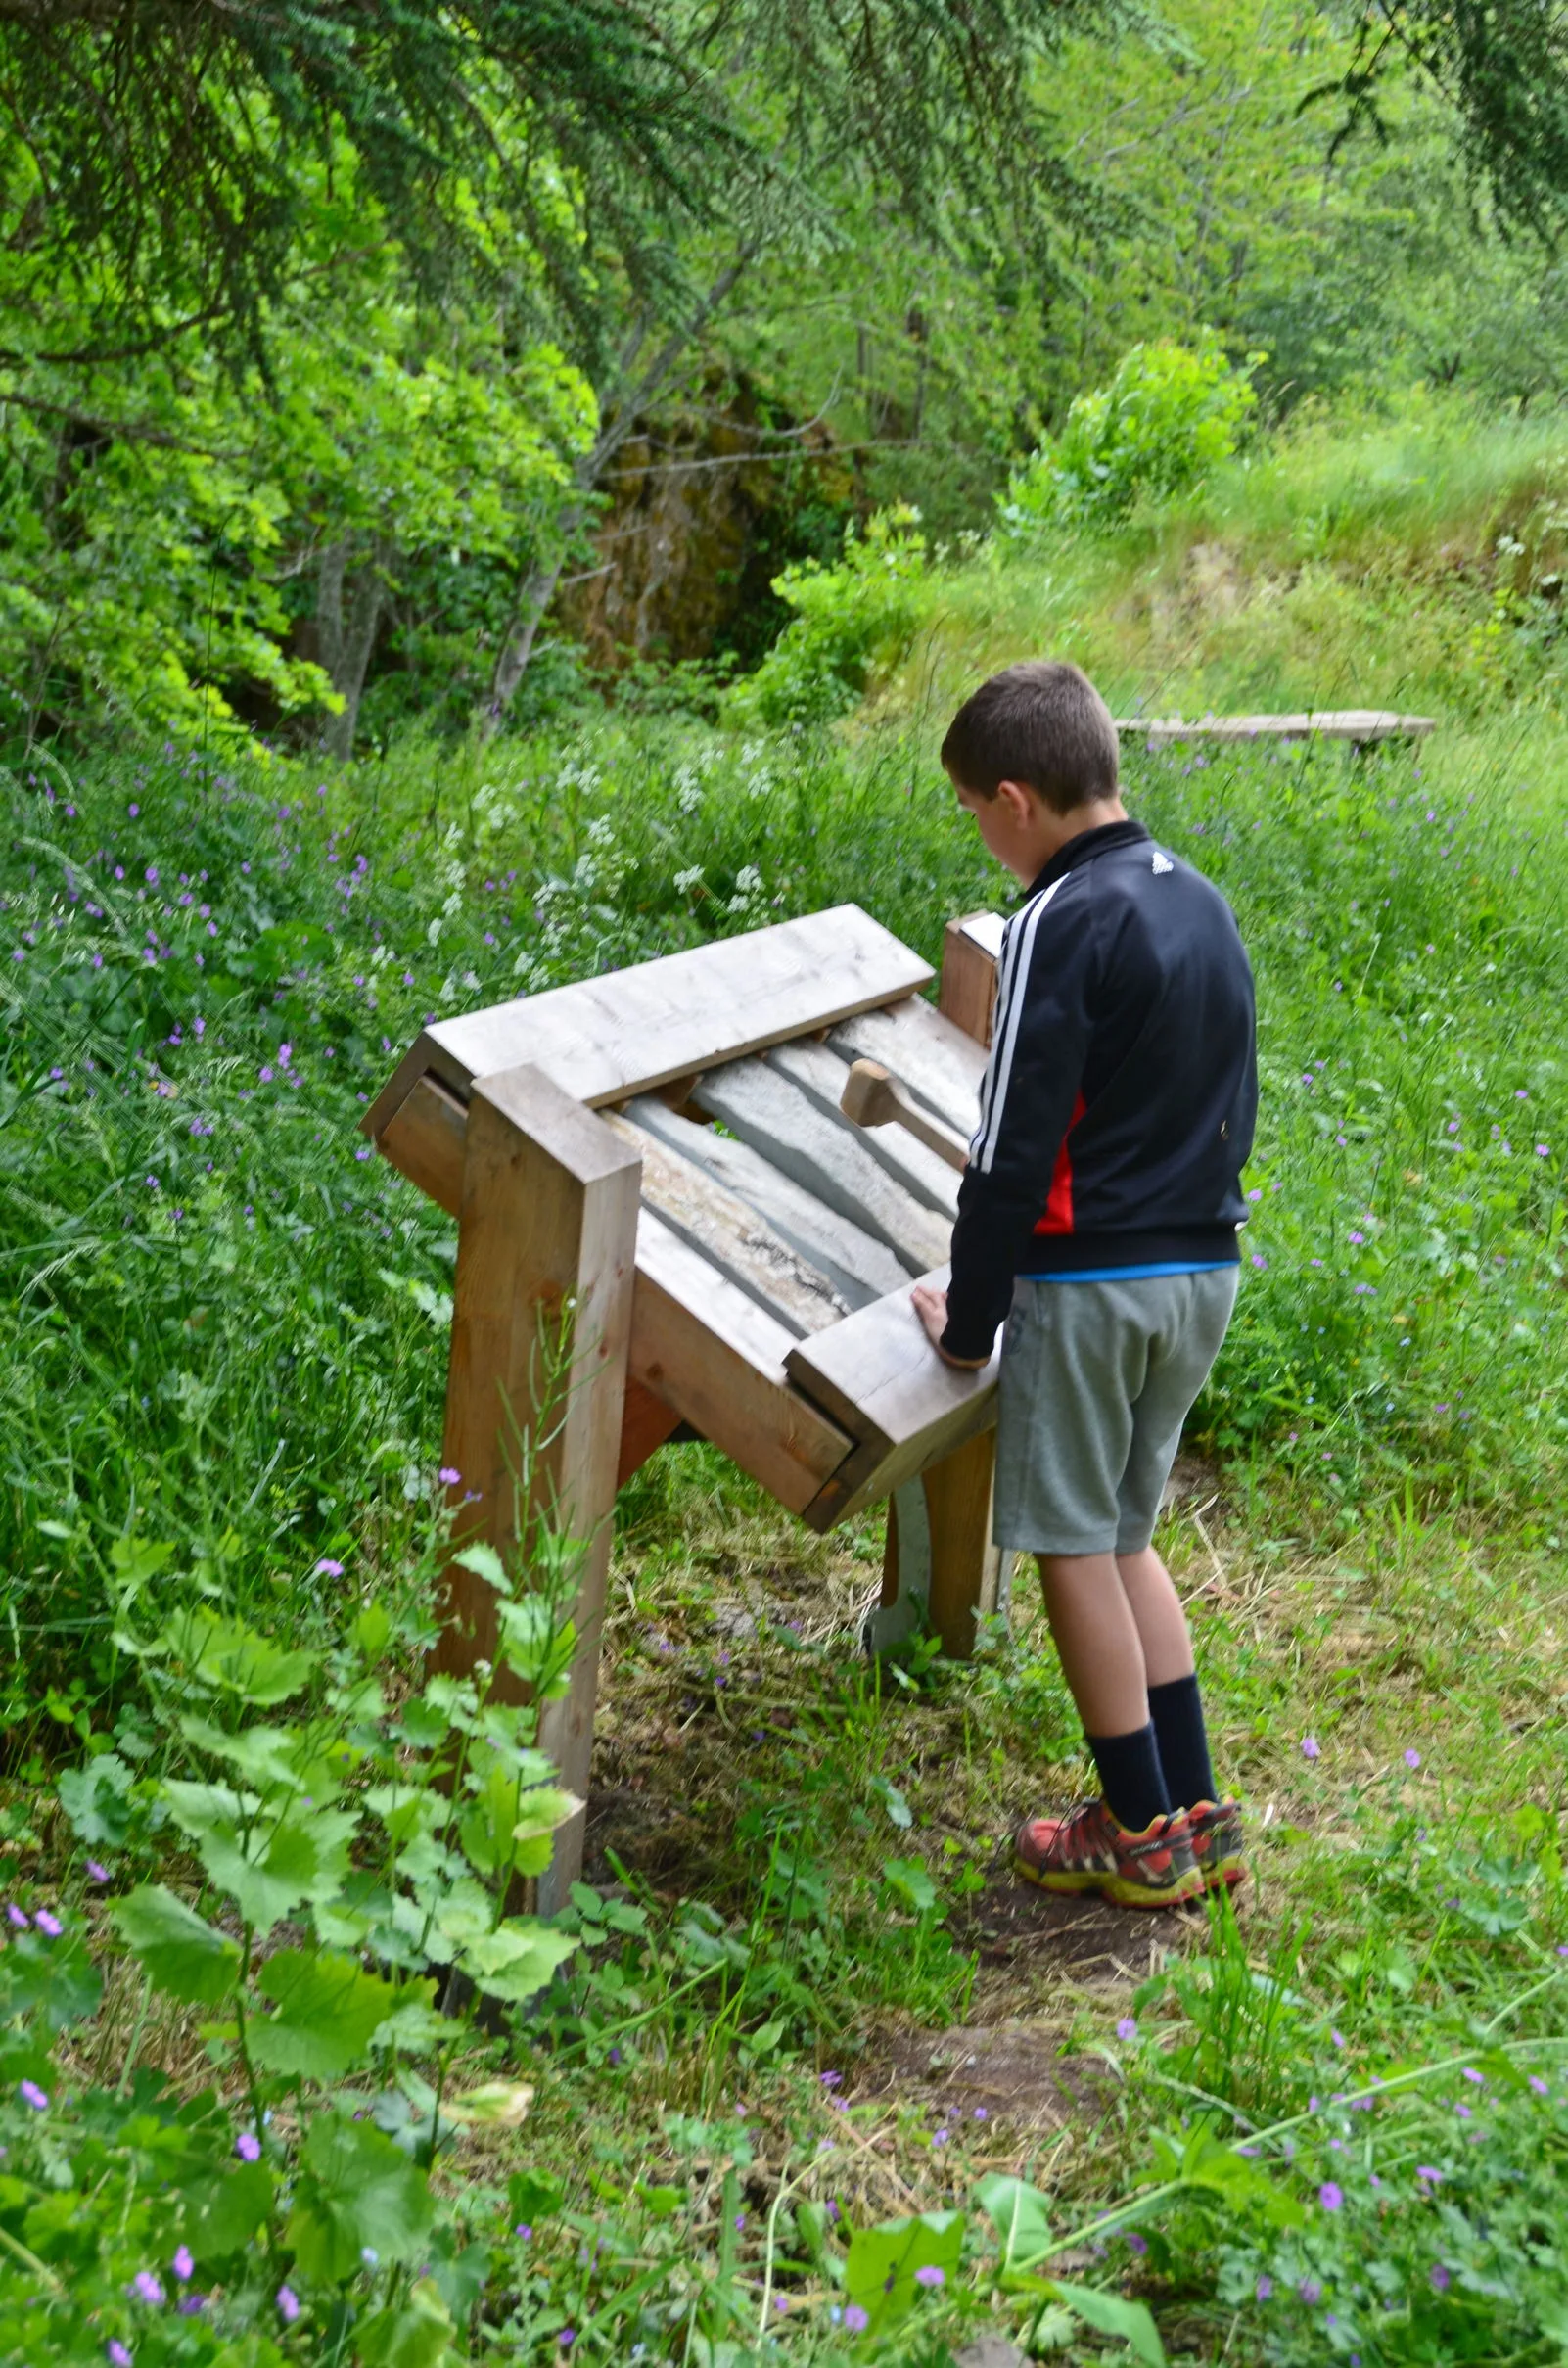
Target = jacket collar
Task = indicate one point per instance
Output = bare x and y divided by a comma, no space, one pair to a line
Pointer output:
1086,847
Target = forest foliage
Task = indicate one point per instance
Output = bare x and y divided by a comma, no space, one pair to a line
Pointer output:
321,333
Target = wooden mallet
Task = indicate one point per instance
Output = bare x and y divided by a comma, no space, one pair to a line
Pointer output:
873,1097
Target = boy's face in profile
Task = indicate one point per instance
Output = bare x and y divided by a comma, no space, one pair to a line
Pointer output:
1014,826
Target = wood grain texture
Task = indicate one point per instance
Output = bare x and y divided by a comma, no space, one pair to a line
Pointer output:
859,1268
711,1352
646,1423
423,1140
549,1218
965,1564
742,1245
604,1039
824,1155
821,1075
877,1374
967,995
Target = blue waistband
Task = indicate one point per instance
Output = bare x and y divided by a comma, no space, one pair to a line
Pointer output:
1134,1273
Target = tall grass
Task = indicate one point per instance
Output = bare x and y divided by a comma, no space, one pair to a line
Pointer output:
226,1322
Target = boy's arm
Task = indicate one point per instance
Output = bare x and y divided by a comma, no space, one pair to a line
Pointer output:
1027,1104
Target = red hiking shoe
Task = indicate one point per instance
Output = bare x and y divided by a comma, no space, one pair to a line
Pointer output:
1215,1829
1090,1850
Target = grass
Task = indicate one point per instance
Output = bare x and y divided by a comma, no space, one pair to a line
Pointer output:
225,1335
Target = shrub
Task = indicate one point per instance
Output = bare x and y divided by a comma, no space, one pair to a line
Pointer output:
1170,414
849,619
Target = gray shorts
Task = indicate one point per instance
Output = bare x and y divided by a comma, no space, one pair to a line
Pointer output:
1096,1382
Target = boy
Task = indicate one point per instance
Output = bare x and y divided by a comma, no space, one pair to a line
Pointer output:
1098,1216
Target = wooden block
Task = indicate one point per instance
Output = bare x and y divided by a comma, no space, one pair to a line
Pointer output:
708,1350
548,1220
859,1268
967,995
825,1155
423,1140
604,1039
926,1052
740,1243
820,1075
877,1374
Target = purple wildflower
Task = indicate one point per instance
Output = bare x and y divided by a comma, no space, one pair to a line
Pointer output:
1440,2278
118,2353
248,2146
1413,1758
930,2275
96,1873
288,2305
1424,2172
1309,2291
1330,2196
855,2319
327,1568
448,1476
1538,2085
148,2286
17,1916
1126,2028
31,2094
182,2263
1309,1746
1264,2288
50,1926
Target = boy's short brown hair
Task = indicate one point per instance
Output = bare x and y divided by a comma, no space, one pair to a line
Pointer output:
1041,722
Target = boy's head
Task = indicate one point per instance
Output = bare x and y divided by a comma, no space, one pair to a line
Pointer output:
1032,757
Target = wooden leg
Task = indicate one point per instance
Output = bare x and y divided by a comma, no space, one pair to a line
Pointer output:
906,1572
645,1426
965,1566
549,1218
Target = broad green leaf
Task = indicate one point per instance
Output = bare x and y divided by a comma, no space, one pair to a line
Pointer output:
494,2105
415,2337
515,1961
536,1645
544,1811
485,1563
224,2212
326,2013
880,2273
226,1652
1113,2314
94,1798
910,1879
267,1872
271,1758
182,1956
356,2188
1019,2216
54,1979
533,2195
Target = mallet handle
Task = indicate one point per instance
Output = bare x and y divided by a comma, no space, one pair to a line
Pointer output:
871,1098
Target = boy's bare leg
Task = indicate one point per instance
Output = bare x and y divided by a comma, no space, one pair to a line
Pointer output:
1096,1638
1162,1624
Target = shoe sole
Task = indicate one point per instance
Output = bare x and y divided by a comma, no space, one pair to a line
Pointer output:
1119,1889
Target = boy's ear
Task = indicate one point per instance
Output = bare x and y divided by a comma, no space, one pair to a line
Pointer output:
1018,798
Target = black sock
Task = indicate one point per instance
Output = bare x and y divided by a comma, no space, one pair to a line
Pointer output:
1131,1776
1176,1712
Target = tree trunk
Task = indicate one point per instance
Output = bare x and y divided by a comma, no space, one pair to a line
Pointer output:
346,628
630,395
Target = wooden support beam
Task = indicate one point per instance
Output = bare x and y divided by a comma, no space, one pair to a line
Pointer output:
1362,726
645,1426
547,1235
965,1566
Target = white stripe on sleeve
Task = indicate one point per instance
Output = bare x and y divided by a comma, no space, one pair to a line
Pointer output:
1012,990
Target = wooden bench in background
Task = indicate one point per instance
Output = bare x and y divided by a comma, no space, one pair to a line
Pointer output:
1362,726
749,1280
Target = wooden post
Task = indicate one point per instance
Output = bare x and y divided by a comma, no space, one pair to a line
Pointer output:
549,1216
961,1571
968,994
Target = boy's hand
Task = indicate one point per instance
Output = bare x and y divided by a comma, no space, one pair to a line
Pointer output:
932,1308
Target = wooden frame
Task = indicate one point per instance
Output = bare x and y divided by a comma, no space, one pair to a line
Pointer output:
697,1311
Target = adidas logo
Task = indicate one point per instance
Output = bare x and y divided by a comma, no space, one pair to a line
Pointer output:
1162,863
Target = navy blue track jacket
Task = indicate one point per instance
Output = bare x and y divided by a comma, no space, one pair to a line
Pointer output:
1119,1102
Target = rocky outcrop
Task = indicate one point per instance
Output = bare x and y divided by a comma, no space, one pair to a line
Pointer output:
706,505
